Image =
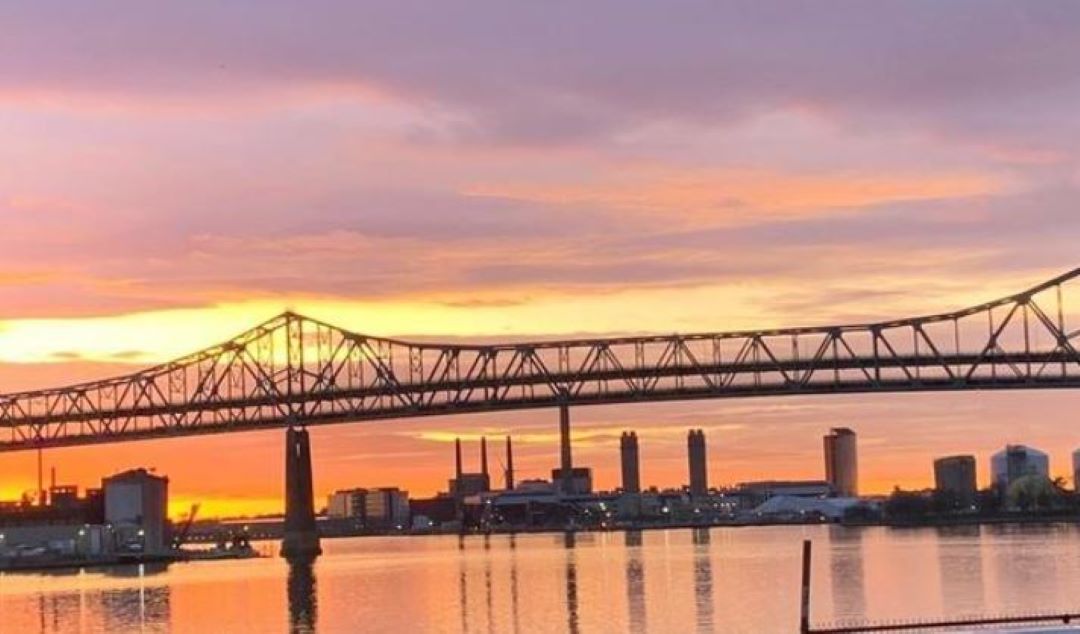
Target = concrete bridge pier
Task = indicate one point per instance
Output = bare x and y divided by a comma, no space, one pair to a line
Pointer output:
301,536
566,462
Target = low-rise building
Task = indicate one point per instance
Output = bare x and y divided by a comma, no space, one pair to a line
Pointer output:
581,482
385,507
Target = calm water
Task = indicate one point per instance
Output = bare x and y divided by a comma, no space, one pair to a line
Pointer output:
719,580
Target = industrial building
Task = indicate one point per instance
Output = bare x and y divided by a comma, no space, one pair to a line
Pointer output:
126,516
842,462
465,484
136,507
580,481
753,494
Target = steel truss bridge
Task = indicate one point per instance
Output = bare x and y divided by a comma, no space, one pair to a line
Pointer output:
294,370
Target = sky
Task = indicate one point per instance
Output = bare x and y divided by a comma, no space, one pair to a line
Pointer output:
171,174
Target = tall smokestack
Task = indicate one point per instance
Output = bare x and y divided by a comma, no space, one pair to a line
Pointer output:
483,456
457,458
509,465
628,451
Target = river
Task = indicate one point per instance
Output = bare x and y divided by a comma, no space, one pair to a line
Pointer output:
671,581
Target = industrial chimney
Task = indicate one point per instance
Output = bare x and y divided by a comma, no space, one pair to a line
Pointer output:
509,465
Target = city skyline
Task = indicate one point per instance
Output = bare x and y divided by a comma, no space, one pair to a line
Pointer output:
604,462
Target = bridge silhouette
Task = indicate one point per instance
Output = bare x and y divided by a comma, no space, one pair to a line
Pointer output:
293,371
296,371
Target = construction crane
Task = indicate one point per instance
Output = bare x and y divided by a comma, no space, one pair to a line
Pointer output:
181,537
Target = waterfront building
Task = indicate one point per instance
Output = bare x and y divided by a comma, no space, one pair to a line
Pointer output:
631,463
842,461
383,507
1017,461
136,507
752,494
386,508
581,482
956,475
438,510
698,462
789,507
470,484
346,504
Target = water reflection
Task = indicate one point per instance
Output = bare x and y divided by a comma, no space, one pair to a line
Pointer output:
569,543
514,583
635,581
703,579
463,585
139,607
960,569
846,573
303,605
137,570
487,584
726,580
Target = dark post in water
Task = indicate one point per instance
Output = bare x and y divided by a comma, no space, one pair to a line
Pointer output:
804,608
301,536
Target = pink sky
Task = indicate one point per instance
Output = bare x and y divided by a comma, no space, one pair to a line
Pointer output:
170,175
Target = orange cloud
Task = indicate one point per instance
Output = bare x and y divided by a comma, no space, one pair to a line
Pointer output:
732,196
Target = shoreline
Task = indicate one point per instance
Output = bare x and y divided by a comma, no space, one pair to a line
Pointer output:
115,562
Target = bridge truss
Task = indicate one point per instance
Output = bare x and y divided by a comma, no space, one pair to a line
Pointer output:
295,370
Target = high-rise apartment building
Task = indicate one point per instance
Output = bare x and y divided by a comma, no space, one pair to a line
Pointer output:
956,475
631,464
699,469
842,462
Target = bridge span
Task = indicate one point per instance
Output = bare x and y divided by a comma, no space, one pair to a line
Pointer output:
293,371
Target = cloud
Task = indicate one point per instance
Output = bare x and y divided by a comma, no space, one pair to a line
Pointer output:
538,75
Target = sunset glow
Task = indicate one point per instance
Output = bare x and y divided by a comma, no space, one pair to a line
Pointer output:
166,186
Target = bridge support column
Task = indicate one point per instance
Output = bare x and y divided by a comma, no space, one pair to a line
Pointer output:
566,483
301,537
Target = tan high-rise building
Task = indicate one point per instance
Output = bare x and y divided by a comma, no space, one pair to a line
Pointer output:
699,469
842,462
631,469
